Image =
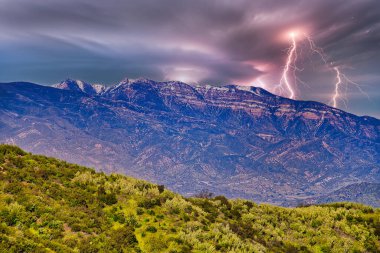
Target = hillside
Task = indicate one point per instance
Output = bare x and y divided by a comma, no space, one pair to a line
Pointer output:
48,205
237,141
362,192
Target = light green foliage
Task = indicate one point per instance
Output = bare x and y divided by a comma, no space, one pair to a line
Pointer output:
47,205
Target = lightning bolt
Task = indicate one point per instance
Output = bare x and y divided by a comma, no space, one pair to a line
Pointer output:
290,70
316,49
323,56
347,81
341,78
290,64
261,83
337,84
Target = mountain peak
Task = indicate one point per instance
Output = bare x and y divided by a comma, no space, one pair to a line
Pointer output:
126,82
80,86
143,79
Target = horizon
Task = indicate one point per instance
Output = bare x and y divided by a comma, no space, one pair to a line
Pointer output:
131,80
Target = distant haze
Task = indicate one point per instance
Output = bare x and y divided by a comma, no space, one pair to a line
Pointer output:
215,42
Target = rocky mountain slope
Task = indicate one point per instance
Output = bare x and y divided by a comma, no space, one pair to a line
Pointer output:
237,141
47,205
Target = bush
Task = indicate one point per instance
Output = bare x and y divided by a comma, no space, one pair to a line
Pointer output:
151,229
139,211
149,203
224,201
10,149
13,188
107,198
123,238
161,188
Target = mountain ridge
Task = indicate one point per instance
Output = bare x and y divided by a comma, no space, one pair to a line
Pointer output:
253,89
235,142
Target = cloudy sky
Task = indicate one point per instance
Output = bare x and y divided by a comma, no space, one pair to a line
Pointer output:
200,41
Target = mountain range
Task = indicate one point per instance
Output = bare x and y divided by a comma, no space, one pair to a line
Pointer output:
242,142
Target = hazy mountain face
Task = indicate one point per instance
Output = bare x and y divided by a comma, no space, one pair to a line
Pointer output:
241,142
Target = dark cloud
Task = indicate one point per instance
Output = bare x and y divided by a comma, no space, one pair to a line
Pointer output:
216,41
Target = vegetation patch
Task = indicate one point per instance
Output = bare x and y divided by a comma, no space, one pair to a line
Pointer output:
47,205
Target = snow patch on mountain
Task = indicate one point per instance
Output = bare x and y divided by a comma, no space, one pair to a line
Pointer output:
79,85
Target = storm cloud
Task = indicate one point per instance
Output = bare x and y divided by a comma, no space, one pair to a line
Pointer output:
215,42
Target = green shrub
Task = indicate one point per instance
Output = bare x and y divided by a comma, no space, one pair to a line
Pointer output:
151,229
139,211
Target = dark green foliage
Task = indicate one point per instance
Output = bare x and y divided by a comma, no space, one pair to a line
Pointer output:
149,203
107,198
161,188
11,150
13,188
119,217
123,238
224,201
139,211
151,229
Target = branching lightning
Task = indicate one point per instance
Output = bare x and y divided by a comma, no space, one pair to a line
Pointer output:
346,81
316,49
338,77
290,64
336,70
341,78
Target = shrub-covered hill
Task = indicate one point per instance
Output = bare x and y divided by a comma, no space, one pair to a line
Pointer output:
47,205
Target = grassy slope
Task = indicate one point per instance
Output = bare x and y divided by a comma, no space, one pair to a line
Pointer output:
47,205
